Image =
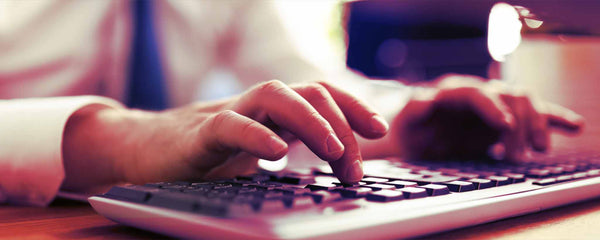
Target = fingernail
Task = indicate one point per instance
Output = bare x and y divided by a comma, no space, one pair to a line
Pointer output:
276,145
379,125
574,117
334,146
354,172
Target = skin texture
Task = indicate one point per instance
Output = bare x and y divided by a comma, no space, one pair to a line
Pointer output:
456,117
464,117
221,139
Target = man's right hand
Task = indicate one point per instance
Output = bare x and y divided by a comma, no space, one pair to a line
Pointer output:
220,139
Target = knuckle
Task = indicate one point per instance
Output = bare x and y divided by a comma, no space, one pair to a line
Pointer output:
355,103
315,91
346,136
463,93
220,118
469,90
452,80
315,121
271,86
249,128
323,83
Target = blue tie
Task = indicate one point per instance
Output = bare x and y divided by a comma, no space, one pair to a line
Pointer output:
146,86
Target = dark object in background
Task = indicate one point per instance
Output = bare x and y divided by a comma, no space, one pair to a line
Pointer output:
419,40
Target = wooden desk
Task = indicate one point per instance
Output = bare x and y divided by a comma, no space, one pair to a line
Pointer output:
64,219
72,220
564,73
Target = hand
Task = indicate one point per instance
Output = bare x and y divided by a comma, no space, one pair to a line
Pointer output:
463,117
220,139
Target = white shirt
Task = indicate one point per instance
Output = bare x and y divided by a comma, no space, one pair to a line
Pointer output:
51,48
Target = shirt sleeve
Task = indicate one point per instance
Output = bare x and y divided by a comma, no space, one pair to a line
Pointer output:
31,132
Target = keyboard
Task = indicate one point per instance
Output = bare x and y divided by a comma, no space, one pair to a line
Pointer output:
395,199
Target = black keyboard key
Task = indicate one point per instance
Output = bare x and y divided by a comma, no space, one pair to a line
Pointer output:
385,196
175,200
247,190
435,189
271,205
538,173
515,177
427,179
219,207
222,186
545,181
435,179
153,185
137,194
413,192
579,175
483,174
324,196
460,186
270,194
568,168
322,186
168,184
176,188
203,185
374,180
297,180
293,190
347,185
379,186
555,170
355,192
255,177
593,173
401,183
267,186
482,183
298,201
564,178
465,176
500,180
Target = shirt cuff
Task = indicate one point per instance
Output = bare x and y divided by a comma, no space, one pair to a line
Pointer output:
31,133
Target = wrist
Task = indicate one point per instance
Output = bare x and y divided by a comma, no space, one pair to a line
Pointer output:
91,142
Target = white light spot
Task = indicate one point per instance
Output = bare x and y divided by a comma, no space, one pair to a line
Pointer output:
504,31
273,166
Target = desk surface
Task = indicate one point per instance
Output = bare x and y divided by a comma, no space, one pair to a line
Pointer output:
72,220
564,73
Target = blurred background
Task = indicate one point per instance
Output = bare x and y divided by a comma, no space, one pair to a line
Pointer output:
550,47
421,40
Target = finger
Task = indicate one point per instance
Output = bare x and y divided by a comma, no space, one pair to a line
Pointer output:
564,119
362,118
291,112
488,106
514,140
229,130
537,127
345,168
